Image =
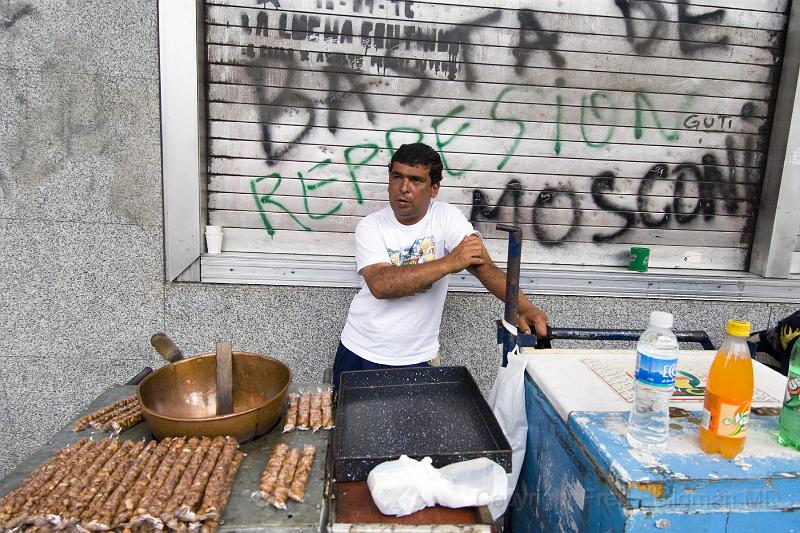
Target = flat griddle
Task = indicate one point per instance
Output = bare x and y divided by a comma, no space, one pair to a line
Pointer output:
437,412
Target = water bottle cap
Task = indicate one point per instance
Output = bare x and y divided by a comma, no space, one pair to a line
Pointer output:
661,319
738,328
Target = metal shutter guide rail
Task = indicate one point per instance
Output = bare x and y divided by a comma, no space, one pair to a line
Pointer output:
333,271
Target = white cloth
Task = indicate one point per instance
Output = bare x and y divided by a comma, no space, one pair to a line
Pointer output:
402,331
405,486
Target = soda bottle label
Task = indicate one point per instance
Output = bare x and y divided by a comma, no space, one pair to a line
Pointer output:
792,398
725,418
656,372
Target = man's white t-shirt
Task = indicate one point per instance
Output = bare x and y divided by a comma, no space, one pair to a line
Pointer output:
402,331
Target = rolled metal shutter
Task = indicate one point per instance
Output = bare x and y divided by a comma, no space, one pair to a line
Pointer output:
597,125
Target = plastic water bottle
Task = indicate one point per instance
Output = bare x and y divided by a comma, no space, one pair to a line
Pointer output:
789,433
656,367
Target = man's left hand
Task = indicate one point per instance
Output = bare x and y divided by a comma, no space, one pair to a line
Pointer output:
533,319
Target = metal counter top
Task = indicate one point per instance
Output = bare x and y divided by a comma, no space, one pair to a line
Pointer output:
243,512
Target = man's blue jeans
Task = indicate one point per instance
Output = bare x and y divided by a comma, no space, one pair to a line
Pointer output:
347,361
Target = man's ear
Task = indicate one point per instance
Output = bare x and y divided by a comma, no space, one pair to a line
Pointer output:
435,189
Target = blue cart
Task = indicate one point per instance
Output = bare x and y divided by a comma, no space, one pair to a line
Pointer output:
580,474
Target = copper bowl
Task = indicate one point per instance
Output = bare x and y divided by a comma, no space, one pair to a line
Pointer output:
180,399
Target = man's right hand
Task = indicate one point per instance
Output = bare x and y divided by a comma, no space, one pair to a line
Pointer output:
469,252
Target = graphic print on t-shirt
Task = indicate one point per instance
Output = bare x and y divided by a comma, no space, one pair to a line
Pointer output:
422,251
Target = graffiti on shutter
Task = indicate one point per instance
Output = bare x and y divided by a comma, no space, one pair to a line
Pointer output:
596,125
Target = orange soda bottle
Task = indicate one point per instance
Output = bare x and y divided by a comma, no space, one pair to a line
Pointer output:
729,392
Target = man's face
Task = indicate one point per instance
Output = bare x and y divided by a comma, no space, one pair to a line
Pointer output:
410,192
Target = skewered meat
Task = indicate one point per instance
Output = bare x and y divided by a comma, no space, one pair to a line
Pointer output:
281,492
327,410
168,515
270,475
298,487
110,477
108,510
315,417
81,423
291,413
216,483
92,475
168,487
197,490
304,411
32,485
151,492
130,501
212,525
118,425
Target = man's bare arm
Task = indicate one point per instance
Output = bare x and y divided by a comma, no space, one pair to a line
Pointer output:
388,281
494,279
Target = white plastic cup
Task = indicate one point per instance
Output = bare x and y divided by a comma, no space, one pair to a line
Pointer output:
213,230
214,243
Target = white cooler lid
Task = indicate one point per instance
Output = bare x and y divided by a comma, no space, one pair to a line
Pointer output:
602,380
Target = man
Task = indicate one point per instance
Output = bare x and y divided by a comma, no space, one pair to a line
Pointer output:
404,253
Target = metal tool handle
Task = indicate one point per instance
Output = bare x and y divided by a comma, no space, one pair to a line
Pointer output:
512,271
135,380
512,285
165,347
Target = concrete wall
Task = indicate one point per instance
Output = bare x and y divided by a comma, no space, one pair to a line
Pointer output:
81,252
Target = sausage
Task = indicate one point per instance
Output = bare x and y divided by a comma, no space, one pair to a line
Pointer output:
281,492
198,487
270,475
110,477
32,485
135,466
102,422
212,525
216,483
291,413
170,482
151,492
118,425
304,411
315,417
121,414
81,423
131,500
93,475
168,515
327,410
298,486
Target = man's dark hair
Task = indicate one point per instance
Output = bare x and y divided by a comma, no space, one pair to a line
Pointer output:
419,154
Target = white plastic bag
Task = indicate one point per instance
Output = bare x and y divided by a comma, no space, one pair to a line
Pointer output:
471,483
507,401
405,486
